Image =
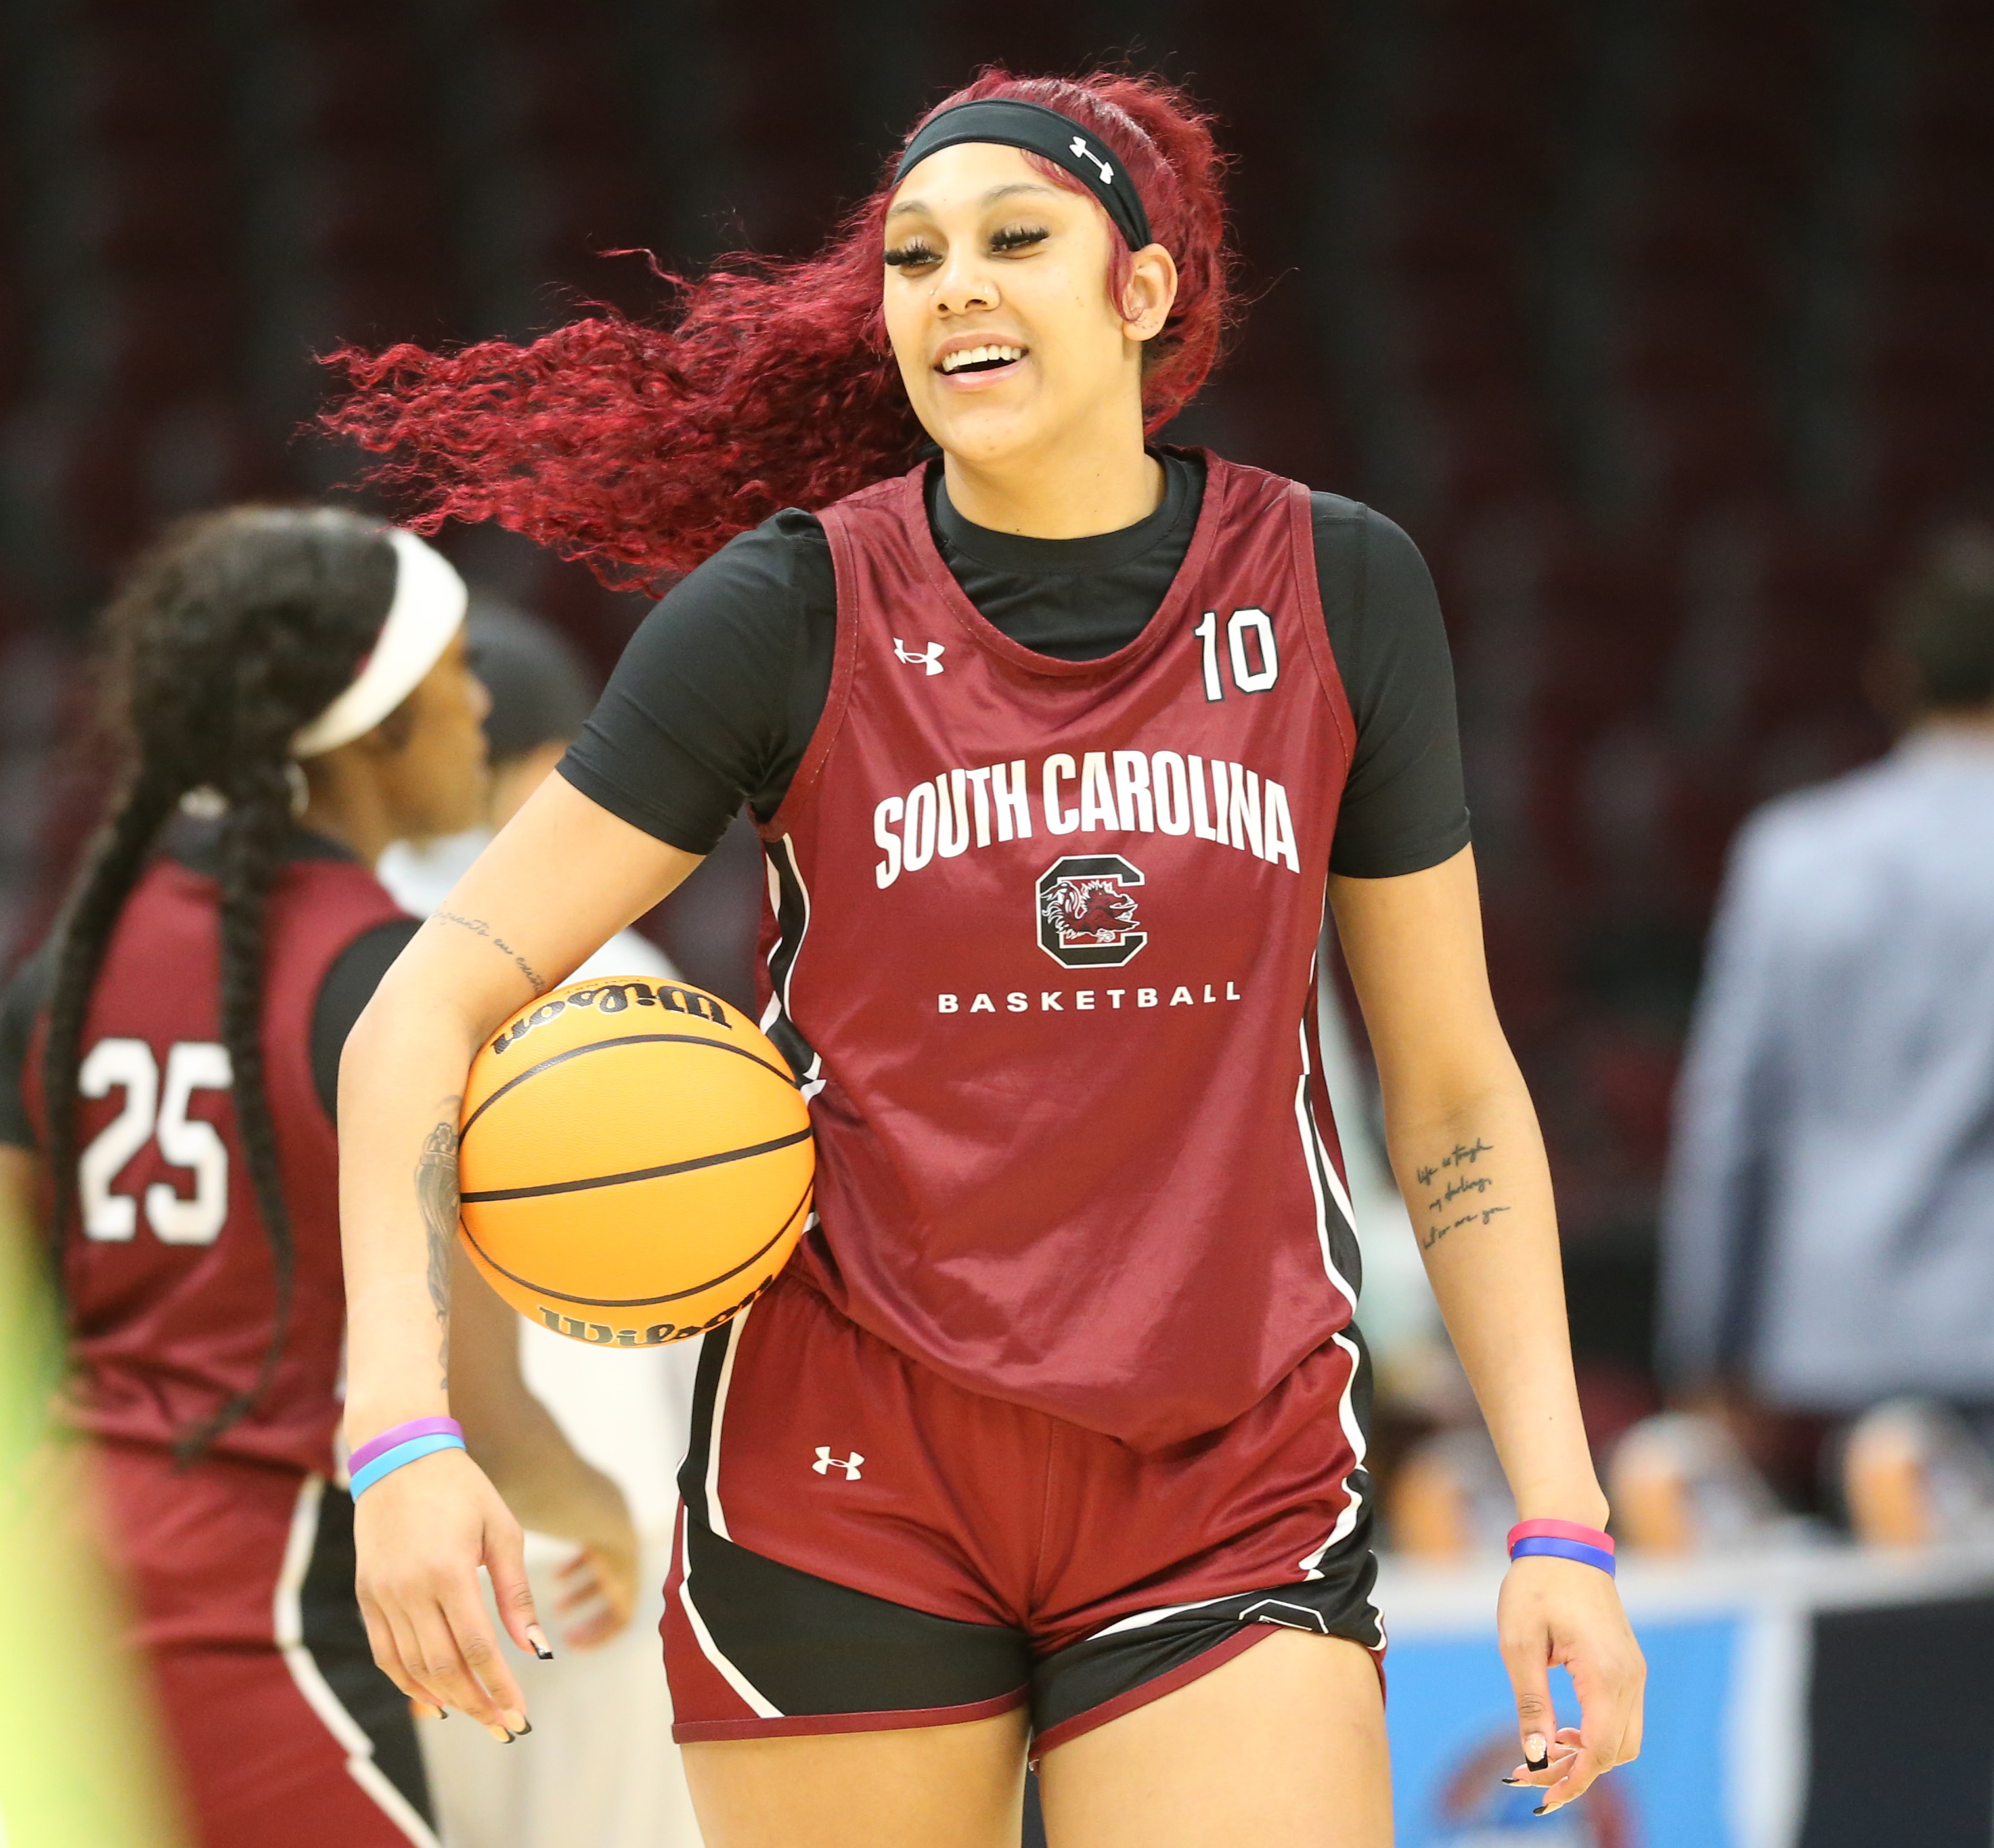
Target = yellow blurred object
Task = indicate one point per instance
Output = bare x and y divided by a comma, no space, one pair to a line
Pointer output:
1449,1500
1884,1483
80,1767
1913,1475
1652,1511
1679,1484
1425,1510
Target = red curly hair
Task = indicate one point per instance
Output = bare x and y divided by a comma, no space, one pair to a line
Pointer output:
641,448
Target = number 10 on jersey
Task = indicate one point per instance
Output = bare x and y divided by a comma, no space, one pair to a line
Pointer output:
1245,622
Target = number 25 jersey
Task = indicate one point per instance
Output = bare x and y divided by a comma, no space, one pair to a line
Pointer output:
1041,948
167,1273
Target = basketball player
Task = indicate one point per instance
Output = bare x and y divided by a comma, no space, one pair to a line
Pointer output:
296,678
1051,1436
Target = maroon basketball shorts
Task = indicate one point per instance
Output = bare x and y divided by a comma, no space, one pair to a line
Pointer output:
277,1722
865,1545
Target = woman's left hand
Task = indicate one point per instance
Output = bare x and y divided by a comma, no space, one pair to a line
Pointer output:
598,1592
1557,1612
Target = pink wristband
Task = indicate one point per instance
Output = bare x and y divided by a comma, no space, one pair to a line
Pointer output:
1560,1530
400,1434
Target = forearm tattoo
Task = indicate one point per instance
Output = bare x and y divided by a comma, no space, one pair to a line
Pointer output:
479,927
436,1193
1456,1186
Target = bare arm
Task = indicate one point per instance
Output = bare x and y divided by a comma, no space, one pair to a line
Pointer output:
549,1488
562,877
1469,1158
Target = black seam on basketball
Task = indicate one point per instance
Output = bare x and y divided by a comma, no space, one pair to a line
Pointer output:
610,1302
626,1039
636,1174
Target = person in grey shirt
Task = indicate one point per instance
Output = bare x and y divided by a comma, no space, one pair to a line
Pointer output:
1828,1224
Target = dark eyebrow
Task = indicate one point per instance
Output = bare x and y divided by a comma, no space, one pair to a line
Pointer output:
996,193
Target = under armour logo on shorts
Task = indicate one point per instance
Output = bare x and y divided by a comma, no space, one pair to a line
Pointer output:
929,657
826,1462
1293,1616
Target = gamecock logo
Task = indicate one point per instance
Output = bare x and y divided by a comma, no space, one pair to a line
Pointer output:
1087,911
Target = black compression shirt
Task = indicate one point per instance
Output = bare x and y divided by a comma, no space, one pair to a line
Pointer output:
716,696
348,986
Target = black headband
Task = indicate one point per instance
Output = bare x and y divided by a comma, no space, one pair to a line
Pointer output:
1012,124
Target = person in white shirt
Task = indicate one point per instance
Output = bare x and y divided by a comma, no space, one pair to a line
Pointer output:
597,1770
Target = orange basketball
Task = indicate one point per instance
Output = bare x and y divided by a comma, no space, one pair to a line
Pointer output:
635,1163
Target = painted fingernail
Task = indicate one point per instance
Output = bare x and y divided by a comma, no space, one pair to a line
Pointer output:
538,1637
516,1721
1535,1757
500,1733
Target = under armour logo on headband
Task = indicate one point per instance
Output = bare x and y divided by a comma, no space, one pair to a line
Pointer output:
1080,148
1012,122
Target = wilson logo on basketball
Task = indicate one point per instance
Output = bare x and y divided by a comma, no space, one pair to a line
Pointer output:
613,998
601,1334
637,1173
1087,911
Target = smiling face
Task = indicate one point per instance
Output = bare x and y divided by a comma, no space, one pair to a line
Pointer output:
998,308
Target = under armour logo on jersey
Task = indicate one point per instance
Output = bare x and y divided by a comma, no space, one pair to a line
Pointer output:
826,1462
1081,150
928,657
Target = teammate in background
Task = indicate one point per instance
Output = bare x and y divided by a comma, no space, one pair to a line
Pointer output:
595,1773
540,695
1051,1437
289,691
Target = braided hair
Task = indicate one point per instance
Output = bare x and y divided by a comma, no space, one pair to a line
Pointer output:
234,630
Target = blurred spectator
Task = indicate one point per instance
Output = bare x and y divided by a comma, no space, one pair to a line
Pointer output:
541,692
603,1769
1828,1228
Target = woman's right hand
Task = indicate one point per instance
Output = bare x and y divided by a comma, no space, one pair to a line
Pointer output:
420,1533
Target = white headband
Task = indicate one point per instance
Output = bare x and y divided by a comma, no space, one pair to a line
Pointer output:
428,610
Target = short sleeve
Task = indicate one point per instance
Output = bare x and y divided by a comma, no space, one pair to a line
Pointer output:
1404,806
348,986
715,698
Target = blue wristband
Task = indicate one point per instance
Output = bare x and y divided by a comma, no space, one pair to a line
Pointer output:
1545,1547
389,1461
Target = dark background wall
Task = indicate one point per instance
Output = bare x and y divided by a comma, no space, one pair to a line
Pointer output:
1662,324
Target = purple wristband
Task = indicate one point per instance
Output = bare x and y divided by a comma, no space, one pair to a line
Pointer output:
1562,1530
400,1434
1547,1546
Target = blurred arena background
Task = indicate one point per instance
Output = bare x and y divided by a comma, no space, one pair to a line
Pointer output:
1662,325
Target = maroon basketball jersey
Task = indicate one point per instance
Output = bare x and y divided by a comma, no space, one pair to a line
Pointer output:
166,1267
1043,951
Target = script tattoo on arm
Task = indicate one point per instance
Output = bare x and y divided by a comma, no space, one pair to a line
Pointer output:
436,1193
479,927
1456,1176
